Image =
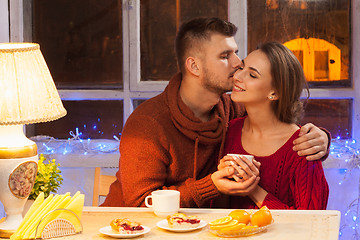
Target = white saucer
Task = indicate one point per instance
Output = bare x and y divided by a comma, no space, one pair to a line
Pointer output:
109,232
164,225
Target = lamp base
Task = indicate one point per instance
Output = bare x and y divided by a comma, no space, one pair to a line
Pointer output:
6,233
7,227
17,177
18,169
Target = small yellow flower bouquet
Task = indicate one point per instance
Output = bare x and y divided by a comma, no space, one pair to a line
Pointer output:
48,178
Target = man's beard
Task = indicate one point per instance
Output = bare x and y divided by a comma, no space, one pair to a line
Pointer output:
214,84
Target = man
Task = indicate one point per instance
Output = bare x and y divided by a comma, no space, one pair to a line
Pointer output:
173,141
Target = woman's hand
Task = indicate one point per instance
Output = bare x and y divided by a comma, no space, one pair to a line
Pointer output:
244,168
221,180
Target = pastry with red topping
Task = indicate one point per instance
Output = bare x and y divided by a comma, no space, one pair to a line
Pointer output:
180,220
125,226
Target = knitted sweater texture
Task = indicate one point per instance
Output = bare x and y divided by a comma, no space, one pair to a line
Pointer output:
291,181
164,146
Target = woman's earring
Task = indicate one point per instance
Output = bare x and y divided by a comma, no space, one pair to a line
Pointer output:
271,97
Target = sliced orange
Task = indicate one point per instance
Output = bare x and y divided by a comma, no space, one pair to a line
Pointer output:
221,226
221,221
250,227
264,208
232,228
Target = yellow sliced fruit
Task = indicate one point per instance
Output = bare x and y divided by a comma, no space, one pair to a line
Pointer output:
264,208
250,227
221,221
226,225
232,228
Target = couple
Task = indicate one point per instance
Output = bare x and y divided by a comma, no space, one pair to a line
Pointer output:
176,139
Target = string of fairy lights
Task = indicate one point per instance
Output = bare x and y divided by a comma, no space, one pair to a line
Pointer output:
76,144
349,152
346,151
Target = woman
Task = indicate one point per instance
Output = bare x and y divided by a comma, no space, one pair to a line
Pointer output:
269,83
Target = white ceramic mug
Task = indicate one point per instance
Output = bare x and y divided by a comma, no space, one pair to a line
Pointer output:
238,176
164,202
249,157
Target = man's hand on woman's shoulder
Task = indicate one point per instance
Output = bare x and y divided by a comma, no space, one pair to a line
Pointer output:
312,142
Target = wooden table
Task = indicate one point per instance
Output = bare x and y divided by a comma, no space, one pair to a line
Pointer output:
288,224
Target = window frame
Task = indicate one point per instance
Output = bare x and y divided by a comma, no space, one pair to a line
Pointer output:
16,23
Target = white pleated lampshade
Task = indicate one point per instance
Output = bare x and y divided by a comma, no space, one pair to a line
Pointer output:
27,91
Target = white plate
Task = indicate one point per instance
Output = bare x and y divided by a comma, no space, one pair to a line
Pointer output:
164,225
109,232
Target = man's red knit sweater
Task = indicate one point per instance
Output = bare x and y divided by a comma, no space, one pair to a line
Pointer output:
164,146
291,181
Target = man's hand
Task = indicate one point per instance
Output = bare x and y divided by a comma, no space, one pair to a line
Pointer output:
312,142
221,179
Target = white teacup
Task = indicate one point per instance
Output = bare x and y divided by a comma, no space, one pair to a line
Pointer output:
238,175
249,157
164,202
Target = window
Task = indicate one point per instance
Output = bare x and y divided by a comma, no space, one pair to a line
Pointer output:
318,32
159,21
319,29
152,28
107,60
83,51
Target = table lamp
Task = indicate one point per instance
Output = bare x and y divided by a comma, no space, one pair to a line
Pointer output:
27,95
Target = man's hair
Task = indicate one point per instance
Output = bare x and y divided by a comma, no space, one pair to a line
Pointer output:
193,32
289,81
